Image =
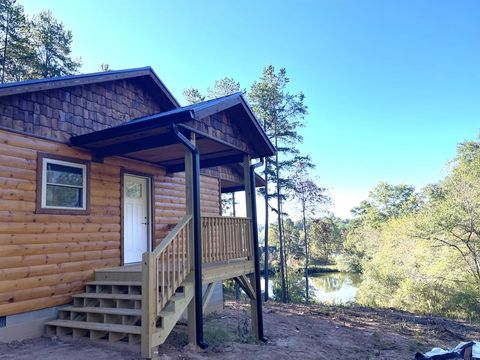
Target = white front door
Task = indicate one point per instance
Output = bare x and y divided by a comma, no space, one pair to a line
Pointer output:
136,222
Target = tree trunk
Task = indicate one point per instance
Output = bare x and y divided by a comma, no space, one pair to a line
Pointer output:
5,44
285,256
306,253
280,223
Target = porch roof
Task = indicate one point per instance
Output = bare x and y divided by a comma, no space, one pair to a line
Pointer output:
151,139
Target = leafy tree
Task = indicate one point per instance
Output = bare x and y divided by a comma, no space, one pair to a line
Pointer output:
293,249
282,114
17,55
327,237
53,46
310,198
453,218
385,202
427,259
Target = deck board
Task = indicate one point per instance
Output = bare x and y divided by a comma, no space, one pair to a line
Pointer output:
211,272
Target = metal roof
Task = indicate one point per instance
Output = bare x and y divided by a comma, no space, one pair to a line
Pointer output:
117,139
145,74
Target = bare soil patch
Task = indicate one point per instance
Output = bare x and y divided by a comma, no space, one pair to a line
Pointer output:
294,332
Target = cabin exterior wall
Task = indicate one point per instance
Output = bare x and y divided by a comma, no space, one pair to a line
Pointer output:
46,258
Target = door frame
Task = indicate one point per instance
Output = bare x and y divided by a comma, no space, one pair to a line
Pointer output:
150,209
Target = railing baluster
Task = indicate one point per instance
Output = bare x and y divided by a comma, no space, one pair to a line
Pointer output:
211,240
214,240
175,263
162,286
228,240
178,259
224,242
205,242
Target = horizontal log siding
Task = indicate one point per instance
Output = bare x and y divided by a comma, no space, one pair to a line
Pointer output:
45,258
170,201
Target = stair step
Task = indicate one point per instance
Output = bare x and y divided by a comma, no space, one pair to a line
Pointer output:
177,297
108,296
166,312
104,310
115,283
122,329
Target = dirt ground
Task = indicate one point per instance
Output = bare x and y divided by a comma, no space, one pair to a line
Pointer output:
294,332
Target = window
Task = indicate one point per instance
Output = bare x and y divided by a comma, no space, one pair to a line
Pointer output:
63,185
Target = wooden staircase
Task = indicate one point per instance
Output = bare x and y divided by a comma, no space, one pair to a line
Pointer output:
140,304
110,309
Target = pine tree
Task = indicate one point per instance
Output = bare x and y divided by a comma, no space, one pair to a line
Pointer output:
222,87
193,96
53,46
283,114
105,67
17,55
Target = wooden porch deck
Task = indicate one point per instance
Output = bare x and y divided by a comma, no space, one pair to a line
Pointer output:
211,272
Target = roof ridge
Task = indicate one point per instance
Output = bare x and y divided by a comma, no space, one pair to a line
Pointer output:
72,77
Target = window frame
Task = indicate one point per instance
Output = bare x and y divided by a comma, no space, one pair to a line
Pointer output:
42,161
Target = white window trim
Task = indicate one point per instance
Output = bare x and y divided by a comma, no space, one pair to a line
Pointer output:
46,161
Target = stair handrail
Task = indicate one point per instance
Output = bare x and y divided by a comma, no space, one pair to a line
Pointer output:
164,269
171,235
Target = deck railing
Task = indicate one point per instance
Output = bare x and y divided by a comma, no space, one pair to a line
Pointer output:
225,238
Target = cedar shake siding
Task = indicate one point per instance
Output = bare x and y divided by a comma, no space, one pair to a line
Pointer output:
60,113
222,126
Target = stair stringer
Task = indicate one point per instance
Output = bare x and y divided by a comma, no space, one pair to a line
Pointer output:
170,316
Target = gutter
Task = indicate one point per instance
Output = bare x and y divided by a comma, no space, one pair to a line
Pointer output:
197,236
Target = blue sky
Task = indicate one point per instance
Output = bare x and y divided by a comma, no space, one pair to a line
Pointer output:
392,86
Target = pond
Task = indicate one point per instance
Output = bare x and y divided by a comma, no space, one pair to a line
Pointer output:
332,288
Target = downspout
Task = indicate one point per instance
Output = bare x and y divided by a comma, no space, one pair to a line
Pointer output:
258,295
197,233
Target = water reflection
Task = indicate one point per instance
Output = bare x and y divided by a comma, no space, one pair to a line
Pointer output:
332,288
336,288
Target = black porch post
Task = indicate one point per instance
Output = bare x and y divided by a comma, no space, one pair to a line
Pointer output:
197,235
250,197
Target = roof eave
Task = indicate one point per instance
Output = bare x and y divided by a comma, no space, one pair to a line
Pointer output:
132,127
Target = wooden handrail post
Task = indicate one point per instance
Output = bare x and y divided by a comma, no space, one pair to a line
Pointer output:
149,303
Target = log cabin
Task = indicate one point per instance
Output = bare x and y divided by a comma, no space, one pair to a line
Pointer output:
110,207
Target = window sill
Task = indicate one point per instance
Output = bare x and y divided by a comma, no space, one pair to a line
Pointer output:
62,211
